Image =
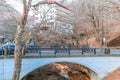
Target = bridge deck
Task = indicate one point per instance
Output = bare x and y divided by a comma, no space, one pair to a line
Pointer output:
101,65
60,56
95,60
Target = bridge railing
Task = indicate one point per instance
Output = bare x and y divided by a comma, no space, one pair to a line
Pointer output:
67,51
37,50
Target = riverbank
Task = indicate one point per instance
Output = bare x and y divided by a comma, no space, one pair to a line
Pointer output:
59,71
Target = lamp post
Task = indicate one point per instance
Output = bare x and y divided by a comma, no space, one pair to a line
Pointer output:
107,50
103,36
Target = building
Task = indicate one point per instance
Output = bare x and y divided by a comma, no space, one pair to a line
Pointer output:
51,14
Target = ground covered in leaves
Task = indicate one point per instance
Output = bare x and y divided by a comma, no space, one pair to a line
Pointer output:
59,71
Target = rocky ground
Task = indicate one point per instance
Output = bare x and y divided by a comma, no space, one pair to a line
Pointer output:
59,71
114,75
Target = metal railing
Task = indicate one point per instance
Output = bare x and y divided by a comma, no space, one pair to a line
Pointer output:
68,51
58,51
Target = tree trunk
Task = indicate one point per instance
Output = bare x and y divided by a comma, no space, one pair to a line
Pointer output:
18,53
18,36
17,67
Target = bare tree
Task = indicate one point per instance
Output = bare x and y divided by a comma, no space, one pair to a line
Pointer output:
79,19
44,27
87,14
18,36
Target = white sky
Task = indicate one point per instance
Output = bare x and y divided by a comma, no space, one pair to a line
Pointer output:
18,6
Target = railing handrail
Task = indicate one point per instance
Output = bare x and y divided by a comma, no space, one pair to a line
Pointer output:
39,49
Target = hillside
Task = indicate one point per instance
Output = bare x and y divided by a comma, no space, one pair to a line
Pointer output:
8,20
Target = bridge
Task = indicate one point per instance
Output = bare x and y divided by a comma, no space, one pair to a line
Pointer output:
101,64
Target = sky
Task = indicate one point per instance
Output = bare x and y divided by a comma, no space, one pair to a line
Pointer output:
18,6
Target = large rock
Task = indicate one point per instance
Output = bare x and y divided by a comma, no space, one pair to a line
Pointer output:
114,75
113,36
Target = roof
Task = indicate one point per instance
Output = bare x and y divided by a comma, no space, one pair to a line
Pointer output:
52,2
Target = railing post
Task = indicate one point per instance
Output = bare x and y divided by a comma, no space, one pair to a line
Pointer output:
2,51
5,50
68,51
82,50
39,50
94,50
55,51
107,51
